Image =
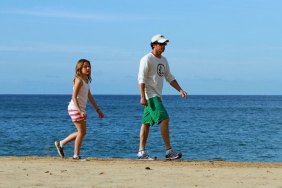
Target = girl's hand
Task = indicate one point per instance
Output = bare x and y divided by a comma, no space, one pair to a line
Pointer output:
83,114
100,113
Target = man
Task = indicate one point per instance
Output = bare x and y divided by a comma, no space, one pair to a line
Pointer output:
152,71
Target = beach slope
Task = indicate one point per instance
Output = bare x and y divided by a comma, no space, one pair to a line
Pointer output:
119,173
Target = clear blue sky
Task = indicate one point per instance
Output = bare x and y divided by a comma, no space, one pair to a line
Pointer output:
216,46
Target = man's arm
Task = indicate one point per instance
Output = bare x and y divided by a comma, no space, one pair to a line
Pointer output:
176,86
143,100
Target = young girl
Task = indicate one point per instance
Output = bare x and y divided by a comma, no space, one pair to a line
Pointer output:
77,105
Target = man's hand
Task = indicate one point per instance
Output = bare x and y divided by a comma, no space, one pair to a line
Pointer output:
143,101
183,93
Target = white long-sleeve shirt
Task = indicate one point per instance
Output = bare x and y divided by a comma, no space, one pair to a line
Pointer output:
152,71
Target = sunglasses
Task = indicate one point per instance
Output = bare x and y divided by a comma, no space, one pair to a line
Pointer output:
162,44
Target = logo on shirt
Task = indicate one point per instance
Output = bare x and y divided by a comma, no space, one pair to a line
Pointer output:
161,70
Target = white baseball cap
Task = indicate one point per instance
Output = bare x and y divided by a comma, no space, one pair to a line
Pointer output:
159,38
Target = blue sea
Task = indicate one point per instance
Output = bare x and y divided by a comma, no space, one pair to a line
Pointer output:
230,128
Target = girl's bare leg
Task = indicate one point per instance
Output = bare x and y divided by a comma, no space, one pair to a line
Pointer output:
81,132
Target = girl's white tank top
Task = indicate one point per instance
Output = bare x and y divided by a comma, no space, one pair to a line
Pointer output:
81,97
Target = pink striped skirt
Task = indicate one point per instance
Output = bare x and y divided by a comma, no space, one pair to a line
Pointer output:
75,115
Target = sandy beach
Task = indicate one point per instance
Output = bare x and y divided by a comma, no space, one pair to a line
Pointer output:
118,173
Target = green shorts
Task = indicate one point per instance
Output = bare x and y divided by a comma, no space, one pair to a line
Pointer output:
155,112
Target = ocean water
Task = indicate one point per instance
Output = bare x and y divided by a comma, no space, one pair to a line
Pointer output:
230,128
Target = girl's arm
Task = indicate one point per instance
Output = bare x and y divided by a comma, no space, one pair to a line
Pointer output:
94,104
77,85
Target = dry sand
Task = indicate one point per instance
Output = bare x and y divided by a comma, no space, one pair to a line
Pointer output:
119,173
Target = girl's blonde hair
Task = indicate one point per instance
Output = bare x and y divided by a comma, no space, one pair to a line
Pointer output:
78,69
